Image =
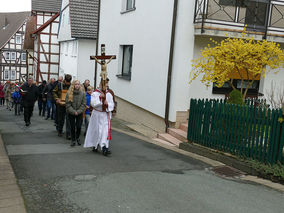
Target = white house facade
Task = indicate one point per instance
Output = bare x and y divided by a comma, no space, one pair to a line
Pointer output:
77,36
155,42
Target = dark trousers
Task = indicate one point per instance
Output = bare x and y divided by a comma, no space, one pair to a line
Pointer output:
2,101
51,106
56,116
40,105
28,111
75,125
43,108
17,108
61,118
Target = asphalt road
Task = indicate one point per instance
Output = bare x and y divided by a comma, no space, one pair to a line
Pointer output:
137,177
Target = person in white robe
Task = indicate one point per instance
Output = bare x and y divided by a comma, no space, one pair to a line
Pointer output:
99,129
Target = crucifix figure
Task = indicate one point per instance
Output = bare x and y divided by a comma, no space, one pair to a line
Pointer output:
101,59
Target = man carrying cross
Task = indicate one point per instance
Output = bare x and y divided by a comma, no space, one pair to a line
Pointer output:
99,129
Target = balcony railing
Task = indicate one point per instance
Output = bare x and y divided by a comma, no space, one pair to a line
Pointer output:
263,16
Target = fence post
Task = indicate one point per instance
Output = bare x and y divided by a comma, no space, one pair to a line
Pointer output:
279,151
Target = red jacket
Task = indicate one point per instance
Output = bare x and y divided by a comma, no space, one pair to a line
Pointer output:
2,94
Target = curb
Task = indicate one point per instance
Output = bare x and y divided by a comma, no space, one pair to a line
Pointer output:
212,158
11,198
228,160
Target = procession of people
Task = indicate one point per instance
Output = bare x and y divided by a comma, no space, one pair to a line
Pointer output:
68,103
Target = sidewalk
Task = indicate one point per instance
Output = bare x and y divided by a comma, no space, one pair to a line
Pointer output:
11,200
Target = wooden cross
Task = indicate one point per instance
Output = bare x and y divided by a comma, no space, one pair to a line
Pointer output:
101,59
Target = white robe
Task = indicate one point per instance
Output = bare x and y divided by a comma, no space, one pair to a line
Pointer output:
98,132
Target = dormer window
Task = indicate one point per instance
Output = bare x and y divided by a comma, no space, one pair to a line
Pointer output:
6,24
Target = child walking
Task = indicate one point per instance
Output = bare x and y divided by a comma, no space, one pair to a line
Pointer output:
17,97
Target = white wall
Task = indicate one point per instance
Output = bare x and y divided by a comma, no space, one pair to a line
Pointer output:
65,27
183,54
148,29
86,67
68,58
196,88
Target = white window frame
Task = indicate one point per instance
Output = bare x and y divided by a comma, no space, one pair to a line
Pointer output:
125,6
18,39
23,56
123,74
13,54
13,75
7,55
74,49
6,78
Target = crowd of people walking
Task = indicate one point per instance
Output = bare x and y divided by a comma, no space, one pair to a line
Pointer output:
66,103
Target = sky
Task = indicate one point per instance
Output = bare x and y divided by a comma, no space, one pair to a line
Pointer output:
15,5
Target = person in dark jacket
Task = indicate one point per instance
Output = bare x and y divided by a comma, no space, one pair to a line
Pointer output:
50,100
30,94
59,81
17,97
40,101
75,106
61,107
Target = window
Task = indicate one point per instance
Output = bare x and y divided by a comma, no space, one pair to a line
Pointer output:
74,49
63,17
67,48
226,88
13,56
7,55
18,39
6,75
129,4
127,61
24,55
13,75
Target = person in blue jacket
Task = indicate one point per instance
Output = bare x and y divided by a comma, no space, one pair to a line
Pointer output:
17,97
88,110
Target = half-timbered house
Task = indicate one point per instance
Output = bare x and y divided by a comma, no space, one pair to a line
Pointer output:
77,36
43,55
13,66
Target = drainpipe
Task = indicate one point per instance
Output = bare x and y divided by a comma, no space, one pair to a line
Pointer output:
267,18
170,67
97,45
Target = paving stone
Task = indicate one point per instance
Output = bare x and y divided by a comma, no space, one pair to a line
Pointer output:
8,202
9,191
13,209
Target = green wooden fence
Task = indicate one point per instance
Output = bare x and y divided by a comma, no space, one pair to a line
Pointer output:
247,131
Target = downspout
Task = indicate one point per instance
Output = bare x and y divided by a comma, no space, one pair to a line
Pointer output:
170,67
97,45
267,19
